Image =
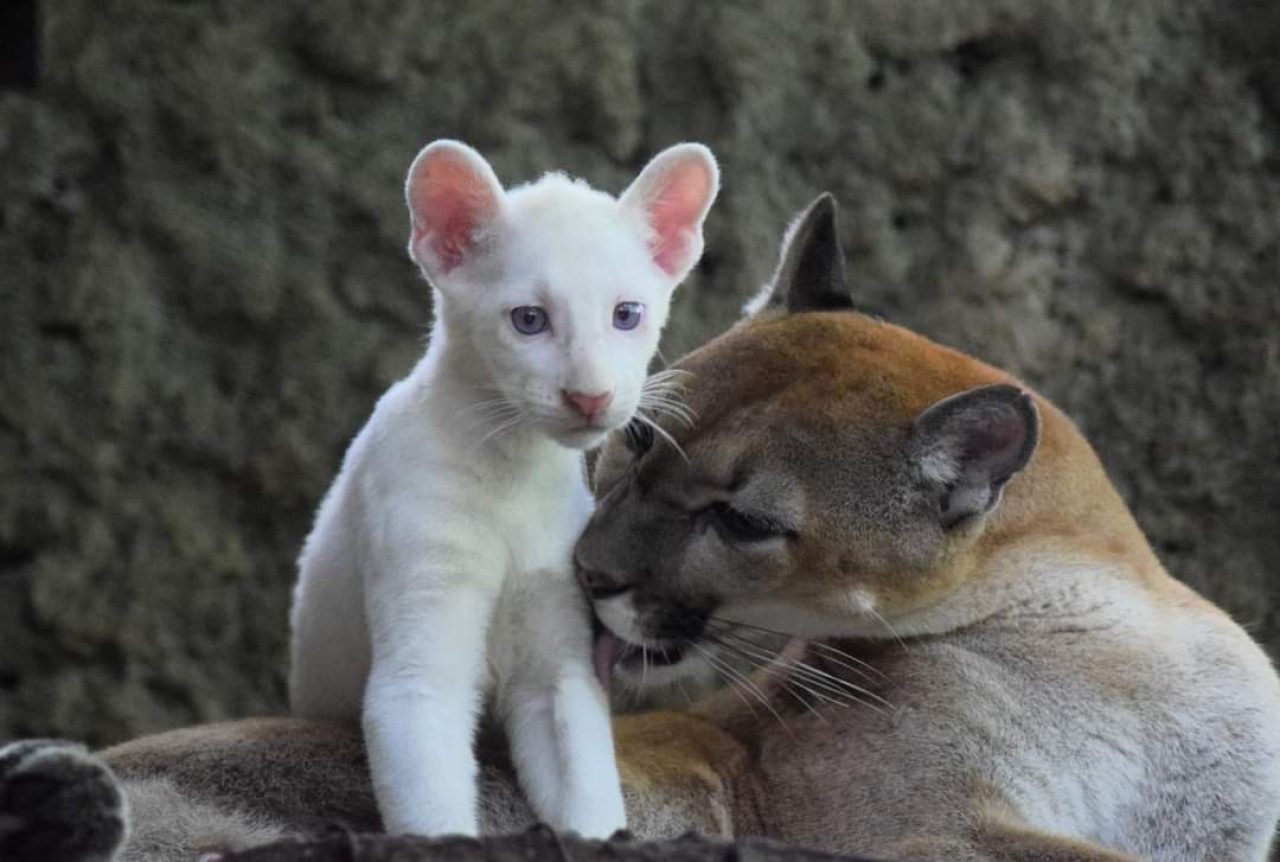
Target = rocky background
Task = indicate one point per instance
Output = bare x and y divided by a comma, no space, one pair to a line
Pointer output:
203,286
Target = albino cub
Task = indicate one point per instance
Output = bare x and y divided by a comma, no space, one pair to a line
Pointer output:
439,567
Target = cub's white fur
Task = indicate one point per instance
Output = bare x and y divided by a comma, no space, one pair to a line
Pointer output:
438,569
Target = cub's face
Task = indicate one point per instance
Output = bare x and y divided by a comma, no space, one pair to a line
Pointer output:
561,290
837,475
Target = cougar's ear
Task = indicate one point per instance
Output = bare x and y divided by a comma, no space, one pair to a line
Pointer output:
810,274
673,195
967,446
454,201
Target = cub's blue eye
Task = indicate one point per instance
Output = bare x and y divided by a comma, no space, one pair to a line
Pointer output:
529,319
626,315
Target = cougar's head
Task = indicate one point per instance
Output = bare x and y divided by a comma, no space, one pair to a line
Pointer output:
839,479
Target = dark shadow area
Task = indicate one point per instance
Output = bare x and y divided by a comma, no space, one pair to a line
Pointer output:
19,44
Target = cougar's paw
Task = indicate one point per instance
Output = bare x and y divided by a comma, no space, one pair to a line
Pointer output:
57,801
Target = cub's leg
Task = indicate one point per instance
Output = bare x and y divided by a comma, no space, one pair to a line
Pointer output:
555,713
58,802
422,702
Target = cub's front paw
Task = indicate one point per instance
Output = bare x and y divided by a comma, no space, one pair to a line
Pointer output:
58,802
600,819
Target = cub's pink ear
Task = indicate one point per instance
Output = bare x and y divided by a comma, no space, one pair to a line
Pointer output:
454,199
674,192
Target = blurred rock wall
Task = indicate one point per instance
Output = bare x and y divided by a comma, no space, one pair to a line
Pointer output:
203,286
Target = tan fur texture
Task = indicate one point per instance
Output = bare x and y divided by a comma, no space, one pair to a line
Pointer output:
1033,684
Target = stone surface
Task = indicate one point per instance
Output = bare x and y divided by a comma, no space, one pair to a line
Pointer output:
537,845
204,289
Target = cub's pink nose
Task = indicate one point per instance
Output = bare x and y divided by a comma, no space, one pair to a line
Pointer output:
586,404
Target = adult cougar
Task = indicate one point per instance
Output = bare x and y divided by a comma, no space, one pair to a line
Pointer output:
1034,685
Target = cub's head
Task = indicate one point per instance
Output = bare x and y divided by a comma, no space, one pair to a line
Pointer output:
843,477
562,291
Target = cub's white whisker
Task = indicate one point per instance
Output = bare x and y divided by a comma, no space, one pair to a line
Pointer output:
668,374
672,405
494,419
683,419
662,432
500,429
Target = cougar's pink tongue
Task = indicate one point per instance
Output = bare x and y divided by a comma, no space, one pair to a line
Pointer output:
605,653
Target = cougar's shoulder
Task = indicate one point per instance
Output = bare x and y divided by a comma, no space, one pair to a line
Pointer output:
917,512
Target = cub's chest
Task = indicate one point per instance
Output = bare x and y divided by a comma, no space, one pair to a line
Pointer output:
541,517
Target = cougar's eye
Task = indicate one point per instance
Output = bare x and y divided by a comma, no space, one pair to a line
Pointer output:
639,437
529,319
627,315
739,526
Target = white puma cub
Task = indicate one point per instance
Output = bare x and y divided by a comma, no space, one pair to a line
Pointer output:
438,569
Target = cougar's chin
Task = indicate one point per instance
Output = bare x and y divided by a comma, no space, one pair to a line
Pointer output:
641,667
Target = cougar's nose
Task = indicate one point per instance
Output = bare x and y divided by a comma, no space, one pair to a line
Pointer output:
587,404
600,586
